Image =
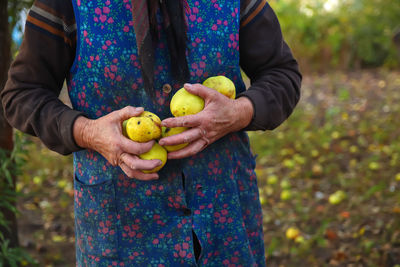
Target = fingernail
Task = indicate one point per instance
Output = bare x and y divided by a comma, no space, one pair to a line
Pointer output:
188,85
161,142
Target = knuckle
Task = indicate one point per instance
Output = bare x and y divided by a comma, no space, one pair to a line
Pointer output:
139,150
133,167
183,122
142,148
142,151
117,147
136,147
119,114
186,139
116,160
125,170
203,132
129,109
207,120
206,143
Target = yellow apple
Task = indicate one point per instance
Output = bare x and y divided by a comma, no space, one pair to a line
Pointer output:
156,152
143,128
172,131
221,84
184,103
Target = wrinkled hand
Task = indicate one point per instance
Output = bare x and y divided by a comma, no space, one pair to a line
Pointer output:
104,135
220,116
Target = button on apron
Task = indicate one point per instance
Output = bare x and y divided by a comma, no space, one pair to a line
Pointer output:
167,88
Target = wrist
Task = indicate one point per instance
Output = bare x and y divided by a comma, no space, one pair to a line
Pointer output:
245,112
81,131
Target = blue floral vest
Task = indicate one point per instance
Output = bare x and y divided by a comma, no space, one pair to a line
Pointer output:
127,222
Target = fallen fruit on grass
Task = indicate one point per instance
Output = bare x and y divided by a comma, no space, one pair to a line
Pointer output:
285,184
317,169
184,103
143,128
286,194
156,152
300,239
337,197
272,179
172,131
263,201
292,233
221,84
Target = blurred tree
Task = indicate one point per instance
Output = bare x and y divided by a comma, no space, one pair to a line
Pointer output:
340,34
14,9
6,141
9,15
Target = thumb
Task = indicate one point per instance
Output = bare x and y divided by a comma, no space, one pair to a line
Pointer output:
199,90
128,112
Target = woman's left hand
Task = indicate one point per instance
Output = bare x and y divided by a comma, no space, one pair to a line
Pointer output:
220,116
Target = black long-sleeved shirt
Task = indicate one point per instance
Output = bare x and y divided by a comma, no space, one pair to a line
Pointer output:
30,97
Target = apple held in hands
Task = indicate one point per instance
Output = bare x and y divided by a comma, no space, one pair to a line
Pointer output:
184,103
221,84
172,131
144,128
151,116
156,152
147,126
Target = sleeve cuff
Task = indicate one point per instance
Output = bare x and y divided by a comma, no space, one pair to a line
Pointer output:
66,130
257,99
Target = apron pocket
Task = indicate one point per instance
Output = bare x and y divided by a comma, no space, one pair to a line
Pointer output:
96,219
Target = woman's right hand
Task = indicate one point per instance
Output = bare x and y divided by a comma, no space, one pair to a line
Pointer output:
104,135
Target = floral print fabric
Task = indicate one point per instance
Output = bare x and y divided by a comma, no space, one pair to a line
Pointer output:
127,222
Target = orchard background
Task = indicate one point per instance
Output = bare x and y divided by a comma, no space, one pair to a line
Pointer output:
330,173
